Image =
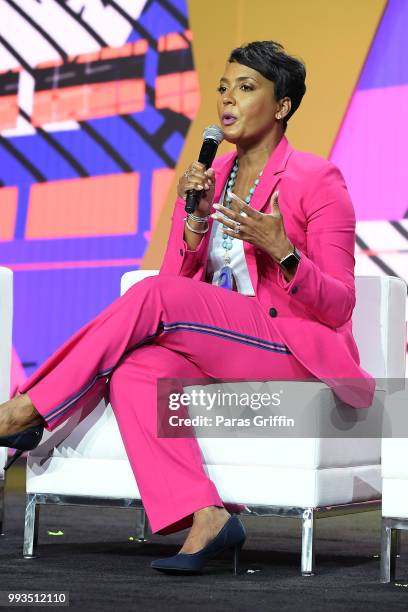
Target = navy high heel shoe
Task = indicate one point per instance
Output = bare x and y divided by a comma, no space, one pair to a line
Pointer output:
232,535
22,441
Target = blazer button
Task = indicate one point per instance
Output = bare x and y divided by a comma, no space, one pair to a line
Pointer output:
294,290
181,252
273,312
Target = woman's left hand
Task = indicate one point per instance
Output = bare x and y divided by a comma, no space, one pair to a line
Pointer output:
264,231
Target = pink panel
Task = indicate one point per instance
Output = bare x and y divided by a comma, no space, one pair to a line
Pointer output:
371,152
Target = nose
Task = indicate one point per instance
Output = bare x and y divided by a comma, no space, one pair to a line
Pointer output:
228,98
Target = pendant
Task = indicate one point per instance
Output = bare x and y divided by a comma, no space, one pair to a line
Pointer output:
226,278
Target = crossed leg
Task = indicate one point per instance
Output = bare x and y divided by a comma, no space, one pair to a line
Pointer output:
177,325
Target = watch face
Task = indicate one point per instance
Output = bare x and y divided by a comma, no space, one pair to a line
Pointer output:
291,261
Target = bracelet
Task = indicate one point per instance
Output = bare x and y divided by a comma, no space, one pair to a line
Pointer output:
198,219
194,230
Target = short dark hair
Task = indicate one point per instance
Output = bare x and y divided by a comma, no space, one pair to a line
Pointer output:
270,59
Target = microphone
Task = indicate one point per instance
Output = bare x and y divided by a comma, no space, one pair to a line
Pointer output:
212,136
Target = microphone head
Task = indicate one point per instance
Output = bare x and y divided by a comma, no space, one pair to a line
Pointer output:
213,132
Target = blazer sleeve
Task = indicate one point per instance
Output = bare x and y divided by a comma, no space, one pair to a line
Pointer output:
178,258
324,279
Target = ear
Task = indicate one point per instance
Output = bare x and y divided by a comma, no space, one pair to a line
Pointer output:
284,108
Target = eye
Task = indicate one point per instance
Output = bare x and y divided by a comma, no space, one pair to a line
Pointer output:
246,87
221,89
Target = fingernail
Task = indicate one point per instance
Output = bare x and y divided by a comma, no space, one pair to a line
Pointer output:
216,206
214,216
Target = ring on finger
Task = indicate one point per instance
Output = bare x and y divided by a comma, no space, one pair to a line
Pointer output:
237,227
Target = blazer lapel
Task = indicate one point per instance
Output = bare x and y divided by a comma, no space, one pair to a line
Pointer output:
272,173
274,167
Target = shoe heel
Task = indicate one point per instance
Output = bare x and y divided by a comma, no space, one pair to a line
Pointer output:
12,459
237,550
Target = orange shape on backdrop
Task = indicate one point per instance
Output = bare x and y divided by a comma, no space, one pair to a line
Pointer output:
8,212
83,102
171,42
92,206
179,92
8,112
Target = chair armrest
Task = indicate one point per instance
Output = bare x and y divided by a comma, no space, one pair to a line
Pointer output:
130,278
6,319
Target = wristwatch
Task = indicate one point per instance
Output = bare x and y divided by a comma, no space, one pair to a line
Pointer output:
290,261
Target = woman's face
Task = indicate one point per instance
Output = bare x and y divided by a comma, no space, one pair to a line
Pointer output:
246,106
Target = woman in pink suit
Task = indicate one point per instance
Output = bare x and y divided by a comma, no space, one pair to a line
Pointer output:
257,283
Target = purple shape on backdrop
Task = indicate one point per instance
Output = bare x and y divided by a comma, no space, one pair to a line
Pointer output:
371,152
387,63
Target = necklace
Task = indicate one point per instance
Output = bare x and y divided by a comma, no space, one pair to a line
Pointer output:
226,277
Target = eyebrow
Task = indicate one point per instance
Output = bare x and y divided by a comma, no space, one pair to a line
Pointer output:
241,78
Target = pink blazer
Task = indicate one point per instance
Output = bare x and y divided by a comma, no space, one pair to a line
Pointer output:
314,309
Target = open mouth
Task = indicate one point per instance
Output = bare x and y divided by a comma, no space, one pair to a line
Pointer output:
228,119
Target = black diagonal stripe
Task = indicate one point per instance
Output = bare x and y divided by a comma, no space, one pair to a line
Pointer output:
72,161
84,24
183,21
149,139
377,260
151,95
134,23
400,228
39,29
174,122
106,146
18,57
10,148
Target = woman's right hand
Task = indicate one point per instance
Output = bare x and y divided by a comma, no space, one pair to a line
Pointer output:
197,177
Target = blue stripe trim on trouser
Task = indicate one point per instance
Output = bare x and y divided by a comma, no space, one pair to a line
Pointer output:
62,408
228,334
172,327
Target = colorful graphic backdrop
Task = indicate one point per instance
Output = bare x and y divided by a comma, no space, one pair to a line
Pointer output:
96,98
95,101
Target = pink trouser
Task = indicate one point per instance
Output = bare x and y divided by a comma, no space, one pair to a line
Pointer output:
164,326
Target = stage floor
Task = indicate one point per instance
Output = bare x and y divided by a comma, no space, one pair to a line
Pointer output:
102,568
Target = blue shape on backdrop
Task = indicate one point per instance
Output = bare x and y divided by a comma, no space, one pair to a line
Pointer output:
387,62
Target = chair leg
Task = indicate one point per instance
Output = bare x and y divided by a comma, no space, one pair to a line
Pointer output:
389,548
308,555
2,502
142,524
32,515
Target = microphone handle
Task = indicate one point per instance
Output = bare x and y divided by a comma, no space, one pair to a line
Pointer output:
192,199
206,157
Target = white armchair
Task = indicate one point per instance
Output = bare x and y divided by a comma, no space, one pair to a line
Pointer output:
84,462
395,482
6,317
